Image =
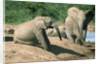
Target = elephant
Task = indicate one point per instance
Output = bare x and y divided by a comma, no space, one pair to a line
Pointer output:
53,33
76,24
33,32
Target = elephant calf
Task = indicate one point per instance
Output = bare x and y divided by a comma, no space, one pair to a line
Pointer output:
53,32
76,24
33,32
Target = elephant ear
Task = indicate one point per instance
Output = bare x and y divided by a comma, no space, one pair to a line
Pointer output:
41,24
48,22
89,14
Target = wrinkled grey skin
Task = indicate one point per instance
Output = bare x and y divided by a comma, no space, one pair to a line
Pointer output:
53,33
76,24
33,32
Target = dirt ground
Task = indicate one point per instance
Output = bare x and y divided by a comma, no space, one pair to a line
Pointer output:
60,50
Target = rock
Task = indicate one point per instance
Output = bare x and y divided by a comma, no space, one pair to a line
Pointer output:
91,28
9,29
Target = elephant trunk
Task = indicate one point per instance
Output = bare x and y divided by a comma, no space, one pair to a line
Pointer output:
57,29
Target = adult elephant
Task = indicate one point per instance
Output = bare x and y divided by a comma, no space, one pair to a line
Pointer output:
53,33
76,24
33,32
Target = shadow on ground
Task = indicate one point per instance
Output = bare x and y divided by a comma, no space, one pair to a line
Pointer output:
57,50
54,48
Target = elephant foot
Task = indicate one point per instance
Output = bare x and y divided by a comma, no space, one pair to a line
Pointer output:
80,42
15,42
48,49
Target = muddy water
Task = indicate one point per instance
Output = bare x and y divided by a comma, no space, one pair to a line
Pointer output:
90,36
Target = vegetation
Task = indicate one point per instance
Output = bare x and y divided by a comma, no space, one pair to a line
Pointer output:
17,12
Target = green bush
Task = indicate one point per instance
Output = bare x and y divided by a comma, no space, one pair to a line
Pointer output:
18,12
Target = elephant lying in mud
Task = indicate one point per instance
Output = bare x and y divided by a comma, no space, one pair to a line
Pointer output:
53,32
76,24
33,32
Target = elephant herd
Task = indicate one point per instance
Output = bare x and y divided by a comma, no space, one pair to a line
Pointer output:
36,31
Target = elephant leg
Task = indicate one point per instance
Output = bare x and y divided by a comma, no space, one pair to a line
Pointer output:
35,43
71,38
22,42
42,37
64,35
16,40
78,36
84,35
79,41
74,37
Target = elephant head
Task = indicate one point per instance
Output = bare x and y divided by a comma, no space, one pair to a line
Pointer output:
46,22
